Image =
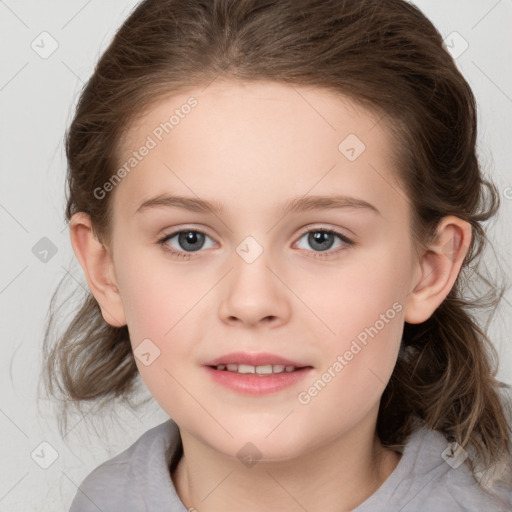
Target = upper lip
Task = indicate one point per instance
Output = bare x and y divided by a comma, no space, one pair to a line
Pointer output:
257,359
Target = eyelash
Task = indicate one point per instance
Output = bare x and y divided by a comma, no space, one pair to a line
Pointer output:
318,254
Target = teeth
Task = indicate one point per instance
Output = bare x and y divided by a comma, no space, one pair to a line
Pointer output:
264,370
267,369
246,368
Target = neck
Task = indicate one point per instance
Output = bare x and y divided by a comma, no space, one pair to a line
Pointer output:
338,476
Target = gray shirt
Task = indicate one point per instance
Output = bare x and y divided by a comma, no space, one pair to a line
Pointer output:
138,479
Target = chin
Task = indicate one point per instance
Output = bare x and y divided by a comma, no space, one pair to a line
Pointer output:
251,445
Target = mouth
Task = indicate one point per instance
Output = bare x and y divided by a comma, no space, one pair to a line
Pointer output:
259,373
261,363
266,369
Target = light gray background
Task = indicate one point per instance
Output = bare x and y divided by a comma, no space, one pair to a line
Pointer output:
36,100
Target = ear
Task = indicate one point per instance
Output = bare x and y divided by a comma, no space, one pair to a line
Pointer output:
96,262
438,269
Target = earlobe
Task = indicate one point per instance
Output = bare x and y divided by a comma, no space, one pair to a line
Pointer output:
96,262
438,269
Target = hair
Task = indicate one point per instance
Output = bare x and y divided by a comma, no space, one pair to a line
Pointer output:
383,55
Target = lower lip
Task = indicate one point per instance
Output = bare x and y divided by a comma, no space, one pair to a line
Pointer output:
254,384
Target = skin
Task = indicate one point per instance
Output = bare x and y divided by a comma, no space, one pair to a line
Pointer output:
252,147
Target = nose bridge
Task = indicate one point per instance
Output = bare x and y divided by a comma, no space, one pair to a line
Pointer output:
252,292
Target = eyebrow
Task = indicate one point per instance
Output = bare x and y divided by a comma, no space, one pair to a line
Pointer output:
298,204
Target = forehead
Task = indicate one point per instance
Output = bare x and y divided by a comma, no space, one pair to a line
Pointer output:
267,138
253,102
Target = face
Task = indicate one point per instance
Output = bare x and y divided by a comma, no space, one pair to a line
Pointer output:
272,272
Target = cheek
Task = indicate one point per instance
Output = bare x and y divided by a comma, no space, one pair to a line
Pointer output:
363,308
160,304
358,361
358,295
158,334
156,296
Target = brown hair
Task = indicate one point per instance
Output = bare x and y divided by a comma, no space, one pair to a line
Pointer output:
384,55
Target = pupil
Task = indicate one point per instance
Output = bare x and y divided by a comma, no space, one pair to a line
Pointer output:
323,239
191,238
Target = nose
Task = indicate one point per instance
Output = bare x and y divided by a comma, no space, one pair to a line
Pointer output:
254,293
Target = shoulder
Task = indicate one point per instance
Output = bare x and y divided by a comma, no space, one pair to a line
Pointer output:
470,489
485,489
498,479
136,479
432,475
441,479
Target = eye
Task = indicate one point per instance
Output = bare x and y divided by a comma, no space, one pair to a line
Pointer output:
188,241
322,240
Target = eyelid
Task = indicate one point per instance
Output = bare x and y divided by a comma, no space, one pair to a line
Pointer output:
176,231
323,227
179,229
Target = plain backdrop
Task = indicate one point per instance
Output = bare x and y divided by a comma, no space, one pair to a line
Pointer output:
39,86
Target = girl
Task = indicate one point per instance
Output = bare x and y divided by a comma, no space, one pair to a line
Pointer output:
276,205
